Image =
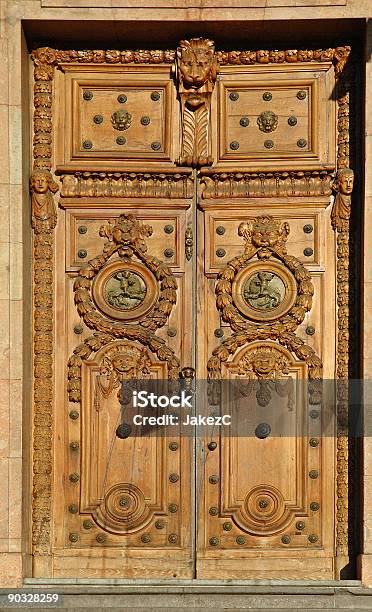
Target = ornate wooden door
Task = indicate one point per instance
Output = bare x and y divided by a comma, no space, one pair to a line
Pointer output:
192,229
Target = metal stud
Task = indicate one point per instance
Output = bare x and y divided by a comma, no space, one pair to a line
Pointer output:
214,479
301,95
173,477
268,144
214,541
87,524
82,253
122,98
73,537
74,446
155,95
240,540
87,144
314,442
212,446
173,446
172,332
286,539
82,229
123,431
313,538
220,252
262,431
173,538
308,252
234,145
300,525
267,96
87,95
234,96
125,502
314,474
73,508
314,506
101,538
159,524
244,121
263,503
308,228
73,414
74,477
78,329
168,253
145,120
145,538
173,508
220,230
292,120
310,330
213,511
301,142
218,333
314,414
156,146
121,140
98,119
169,229
227,526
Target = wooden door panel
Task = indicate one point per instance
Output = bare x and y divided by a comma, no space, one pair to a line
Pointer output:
114,494
267,495
115,114
275,116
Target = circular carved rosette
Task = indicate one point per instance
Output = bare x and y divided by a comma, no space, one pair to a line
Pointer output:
123,509
264,511
264,291
125,291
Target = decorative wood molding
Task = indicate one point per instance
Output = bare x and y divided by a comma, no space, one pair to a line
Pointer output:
266,184
196,75
343,185
44,219
265,237
125,237
178,185
338,56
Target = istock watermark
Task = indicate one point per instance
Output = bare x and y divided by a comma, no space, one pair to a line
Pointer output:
258,408
144,399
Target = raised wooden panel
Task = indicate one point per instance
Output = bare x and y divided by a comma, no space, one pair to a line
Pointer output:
305,239
276,116
83,240
112,115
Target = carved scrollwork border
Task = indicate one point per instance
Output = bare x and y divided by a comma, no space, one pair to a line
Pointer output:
338,56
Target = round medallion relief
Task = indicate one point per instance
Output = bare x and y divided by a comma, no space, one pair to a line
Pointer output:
125,290
264,291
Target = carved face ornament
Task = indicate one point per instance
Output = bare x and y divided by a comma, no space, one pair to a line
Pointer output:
267,121
196,62
121,120
345,181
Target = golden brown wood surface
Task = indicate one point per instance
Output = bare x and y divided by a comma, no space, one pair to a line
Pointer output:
193,230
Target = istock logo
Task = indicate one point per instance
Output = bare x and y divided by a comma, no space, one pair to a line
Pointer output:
143,399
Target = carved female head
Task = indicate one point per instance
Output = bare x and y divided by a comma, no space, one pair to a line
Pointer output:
344,181
41,181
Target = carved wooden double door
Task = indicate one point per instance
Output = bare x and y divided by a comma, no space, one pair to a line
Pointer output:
192,229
